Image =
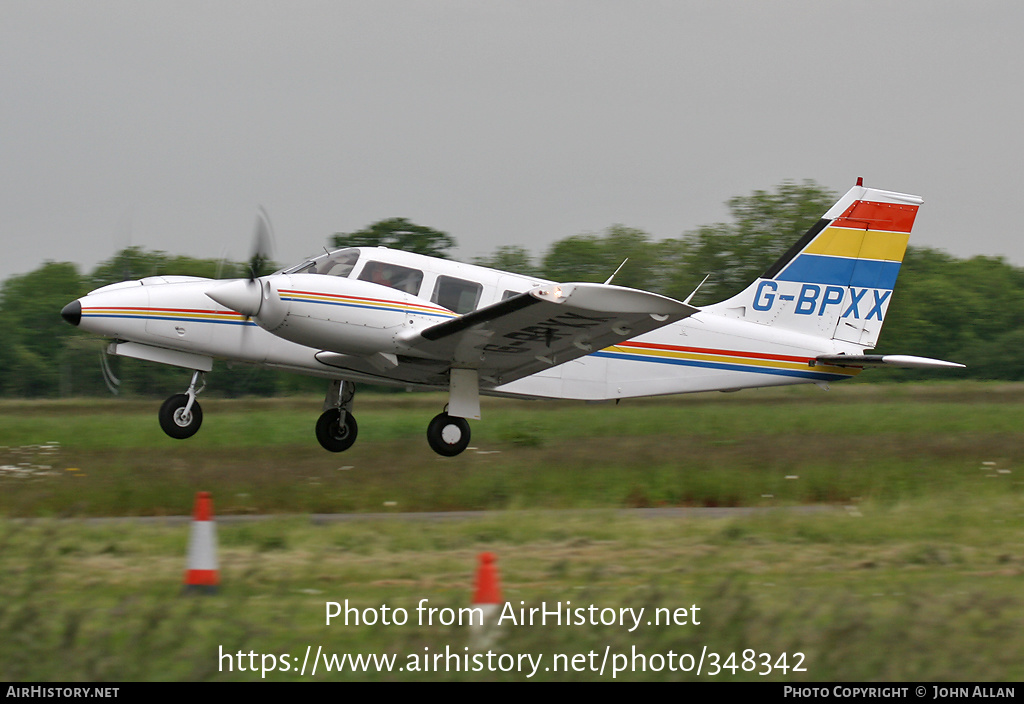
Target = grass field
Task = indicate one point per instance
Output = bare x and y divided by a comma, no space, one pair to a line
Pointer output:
914,572
771,447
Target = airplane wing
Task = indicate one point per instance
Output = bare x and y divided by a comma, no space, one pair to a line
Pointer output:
546,326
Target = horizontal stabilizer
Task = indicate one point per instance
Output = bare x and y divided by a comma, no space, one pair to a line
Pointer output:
904,361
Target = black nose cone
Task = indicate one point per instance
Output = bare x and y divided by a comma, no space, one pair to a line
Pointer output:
72,313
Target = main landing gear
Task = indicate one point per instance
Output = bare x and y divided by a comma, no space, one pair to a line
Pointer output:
448,435
181,415
336,429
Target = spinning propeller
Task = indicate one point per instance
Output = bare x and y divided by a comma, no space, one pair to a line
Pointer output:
109,378
245,296
262,244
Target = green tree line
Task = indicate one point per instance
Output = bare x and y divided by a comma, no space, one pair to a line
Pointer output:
966,310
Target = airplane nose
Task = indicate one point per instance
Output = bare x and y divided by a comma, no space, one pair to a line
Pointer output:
72,312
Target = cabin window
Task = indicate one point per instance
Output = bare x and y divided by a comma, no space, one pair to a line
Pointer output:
338,263
392,276
456,295
508,294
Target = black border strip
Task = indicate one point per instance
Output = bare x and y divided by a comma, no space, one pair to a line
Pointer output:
786,258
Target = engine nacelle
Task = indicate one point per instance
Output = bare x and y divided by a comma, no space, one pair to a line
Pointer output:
341,315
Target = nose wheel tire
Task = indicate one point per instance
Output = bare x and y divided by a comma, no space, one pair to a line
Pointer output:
333,435
448,435
175,422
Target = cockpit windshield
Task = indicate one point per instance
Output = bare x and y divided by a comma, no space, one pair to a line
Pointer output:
339,263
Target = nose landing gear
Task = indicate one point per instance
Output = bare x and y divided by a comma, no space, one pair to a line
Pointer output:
181,415
336,429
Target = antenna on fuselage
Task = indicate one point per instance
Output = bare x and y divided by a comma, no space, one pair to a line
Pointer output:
694,292
609,279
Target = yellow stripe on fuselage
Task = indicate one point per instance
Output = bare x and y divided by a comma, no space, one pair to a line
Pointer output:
163,313
743,360
362,302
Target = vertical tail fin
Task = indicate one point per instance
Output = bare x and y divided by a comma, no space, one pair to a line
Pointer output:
837,280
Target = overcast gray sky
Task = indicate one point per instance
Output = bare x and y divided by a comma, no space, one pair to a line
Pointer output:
165,124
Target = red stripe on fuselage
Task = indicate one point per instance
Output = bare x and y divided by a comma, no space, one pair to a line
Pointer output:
350,297
205,311
707,350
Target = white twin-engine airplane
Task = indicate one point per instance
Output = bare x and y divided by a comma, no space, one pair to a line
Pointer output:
383,316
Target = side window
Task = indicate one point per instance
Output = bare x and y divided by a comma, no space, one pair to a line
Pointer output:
456,295
392,276
508,294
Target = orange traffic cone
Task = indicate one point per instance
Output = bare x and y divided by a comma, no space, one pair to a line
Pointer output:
202,575
486,598
487,589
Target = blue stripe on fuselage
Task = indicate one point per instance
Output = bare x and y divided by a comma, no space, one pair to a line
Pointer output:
345,304
168,318
814,376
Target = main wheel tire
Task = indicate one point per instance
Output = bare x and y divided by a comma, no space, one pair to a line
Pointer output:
173,420
333,435
448,435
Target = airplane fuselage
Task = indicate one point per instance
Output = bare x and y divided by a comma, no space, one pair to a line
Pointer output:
347,328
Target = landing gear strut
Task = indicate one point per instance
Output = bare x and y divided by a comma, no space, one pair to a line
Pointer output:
336,429
181,415
448,435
